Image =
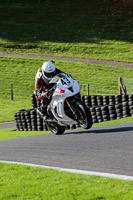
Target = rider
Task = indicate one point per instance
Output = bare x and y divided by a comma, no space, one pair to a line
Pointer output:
42,86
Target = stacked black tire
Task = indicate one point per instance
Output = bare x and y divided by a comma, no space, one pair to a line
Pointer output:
102,108
35,103
29,120
107,108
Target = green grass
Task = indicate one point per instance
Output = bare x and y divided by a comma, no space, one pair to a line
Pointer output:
21,73
11,133
24,182
90,29
8,108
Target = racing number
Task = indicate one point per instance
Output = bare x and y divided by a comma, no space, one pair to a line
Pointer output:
65,81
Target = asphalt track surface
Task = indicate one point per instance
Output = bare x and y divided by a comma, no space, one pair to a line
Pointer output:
6,125
103,149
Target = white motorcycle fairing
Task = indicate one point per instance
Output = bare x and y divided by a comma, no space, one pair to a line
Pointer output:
66,87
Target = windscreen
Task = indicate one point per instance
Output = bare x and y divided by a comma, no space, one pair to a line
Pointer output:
58,77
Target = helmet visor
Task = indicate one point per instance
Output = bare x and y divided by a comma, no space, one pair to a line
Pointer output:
49,75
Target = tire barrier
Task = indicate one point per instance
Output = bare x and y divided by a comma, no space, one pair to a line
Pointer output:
29,120
102,108
107,108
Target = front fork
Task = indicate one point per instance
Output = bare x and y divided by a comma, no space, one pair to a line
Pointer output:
72,108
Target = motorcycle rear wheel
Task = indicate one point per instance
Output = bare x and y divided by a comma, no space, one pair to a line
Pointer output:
84,115
56,128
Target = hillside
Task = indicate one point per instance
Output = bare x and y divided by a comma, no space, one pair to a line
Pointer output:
89,29
21,72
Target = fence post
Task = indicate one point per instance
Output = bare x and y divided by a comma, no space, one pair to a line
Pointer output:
122,89
88,89
11,91
119,86
125,89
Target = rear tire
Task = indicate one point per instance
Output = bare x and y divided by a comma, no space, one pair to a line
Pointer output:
84,115
56,128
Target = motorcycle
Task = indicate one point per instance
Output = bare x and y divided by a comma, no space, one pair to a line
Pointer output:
66,106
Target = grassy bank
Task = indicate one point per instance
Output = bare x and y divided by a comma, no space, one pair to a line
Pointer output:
21,73
11,133
25,182
91,29
8,108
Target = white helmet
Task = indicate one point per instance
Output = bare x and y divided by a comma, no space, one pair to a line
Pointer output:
48,70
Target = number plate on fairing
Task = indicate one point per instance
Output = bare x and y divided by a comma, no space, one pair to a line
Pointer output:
65,81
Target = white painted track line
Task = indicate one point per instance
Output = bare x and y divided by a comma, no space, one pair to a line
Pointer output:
92,173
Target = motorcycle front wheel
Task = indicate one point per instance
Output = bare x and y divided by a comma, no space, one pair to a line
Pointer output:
56,128
84,115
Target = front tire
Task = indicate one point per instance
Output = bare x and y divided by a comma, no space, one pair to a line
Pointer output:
56,128
84,115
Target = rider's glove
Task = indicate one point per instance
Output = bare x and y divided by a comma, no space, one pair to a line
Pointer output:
39,95
47,94
44,94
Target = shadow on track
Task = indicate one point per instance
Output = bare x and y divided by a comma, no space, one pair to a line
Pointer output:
101,131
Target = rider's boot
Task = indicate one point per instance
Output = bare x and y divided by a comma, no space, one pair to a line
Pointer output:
44,111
